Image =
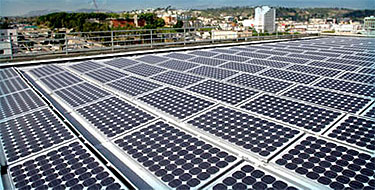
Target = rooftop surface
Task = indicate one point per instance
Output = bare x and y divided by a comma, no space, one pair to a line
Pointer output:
288,115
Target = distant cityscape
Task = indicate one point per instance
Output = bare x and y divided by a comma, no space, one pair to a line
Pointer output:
49,32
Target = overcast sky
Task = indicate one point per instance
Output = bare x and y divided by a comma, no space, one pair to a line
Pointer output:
21,7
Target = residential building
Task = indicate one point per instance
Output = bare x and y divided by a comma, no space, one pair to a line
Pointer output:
369,25
265,19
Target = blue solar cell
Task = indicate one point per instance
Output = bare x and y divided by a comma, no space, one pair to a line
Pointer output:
133,86
105,75
314,70
46,70
290,76
60,80
152,59
177,79
7,73
304,56
350,87
178,65
86,66
231,57
370,79
333,66
12,85
144,70
203,53
213,72
207,61
120,63
243,67
260,83
268,63
289,59
181,56
254,55
355,62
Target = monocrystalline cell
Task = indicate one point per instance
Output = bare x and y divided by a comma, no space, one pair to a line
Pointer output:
177,158
46,70
268,63
152,59
356,131
243,67
324,54
177,79
114,116
333,66
106,75
271,52
12,85
290,76
304,56
60,80
331,99
176,103
181,56
246,49
259,136
207,61
80,94
213,72
71,166
314,70
361,58
223,92
7,73
286,49
246,176
18,103
260,83
133,86
289,59
32,133
86,66
227,51
311,118
330,164
232,58
254,55
178,65
370,79
120,63
370,112
367,71
144,70
350,87
203,53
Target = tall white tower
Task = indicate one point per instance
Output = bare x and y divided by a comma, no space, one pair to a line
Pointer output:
265,19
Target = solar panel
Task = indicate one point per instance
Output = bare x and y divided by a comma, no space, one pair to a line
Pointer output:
289,50
181,56
178,65
86,66
329,164
70,166
120,63
18,103
368,71
290,76
203,53
152,59
334,66
212,72
350,87
144,70
314,70
246,49
243,67
133,86
227,51
268,63
350,62
260,137
105,75
176,103
254,55
60,80
246,176
7,73
81,94
207,61
304,56
324,54
46,70
231,58
331,99
302,115
176,158
177,79
355,57
289,59
12,85
271,52
260,83
370,112
370,79
355,131
32,133
223,92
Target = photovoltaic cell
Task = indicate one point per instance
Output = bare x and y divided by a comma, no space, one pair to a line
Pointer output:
203,53
223,92
71,166
7,73
290,76
256,135
356,131
80,94
144,70
133,86
178,65
12,85
314,70
271,52
370,112
227,51
254,55
86,66
176,103
114,116
302,115
334,66
177,79
152,59
120,63
260,83
329,164
213,72
268,63
355,62
207,61
32,133
243,67
232,57
60,80
350,87
176,158
368,71
181,56
289,59
304,56
370,79
331,99
46,70
105,75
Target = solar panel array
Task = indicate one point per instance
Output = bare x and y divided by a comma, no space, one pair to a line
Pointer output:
283,115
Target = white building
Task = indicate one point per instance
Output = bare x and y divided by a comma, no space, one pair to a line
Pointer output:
6,45
369,25
265,19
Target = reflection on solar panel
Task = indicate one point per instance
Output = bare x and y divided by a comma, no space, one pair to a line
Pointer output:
133,86
177,79
177,158
260,83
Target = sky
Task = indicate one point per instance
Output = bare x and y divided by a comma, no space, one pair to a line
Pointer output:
21,7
